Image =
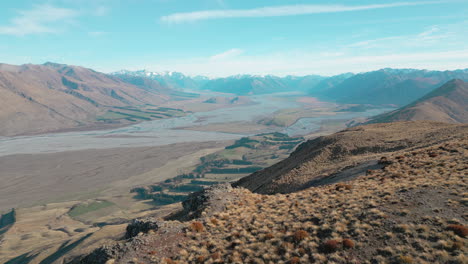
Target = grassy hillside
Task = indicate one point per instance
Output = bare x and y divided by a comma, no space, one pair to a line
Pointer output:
327,155
445,104
411,209
52,97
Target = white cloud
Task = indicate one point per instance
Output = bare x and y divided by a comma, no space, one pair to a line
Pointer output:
286,10
227,54
40,19
436,36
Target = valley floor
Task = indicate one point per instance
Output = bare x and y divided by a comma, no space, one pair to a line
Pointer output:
76,198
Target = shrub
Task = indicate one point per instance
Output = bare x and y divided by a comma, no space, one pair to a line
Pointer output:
348,243
459,230
169,261
405,260
197,227
294,260
269,236
343,186
330,246
200,259
300,235
216,256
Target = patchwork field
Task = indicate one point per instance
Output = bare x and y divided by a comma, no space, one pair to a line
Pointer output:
134,114
245,156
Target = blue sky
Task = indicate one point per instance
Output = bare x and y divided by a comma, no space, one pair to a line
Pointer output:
227,37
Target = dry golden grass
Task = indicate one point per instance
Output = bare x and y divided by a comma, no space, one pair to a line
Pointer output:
411,211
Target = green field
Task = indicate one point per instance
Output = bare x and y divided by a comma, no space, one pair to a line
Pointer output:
245,156
87,208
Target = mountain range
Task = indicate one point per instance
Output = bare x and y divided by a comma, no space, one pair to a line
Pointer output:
383,87
243,84
173,80
388,86
52,97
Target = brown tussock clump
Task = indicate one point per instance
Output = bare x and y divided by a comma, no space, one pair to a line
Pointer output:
216,256
294,260
343,186
300,235
405,260
330,246
197,227
200,259
458,229
348,243
170,261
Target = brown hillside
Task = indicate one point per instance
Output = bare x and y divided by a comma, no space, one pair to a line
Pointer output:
447,103
313,162
40,98
411,210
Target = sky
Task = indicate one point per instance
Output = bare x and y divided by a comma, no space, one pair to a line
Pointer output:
219,38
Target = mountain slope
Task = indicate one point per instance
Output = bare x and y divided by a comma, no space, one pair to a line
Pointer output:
447,103
388,86
385,86
409,210
246,85
313,162
40,98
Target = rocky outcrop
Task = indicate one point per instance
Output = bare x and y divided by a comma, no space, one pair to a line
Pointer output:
141,226
214,198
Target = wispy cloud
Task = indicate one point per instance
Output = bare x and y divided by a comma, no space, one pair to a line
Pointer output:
227,54
436,47
435,36
285,10
40,19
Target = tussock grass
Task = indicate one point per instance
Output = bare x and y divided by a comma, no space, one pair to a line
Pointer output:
385,216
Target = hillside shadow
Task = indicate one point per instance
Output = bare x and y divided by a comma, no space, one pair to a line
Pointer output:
63,250
22,259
